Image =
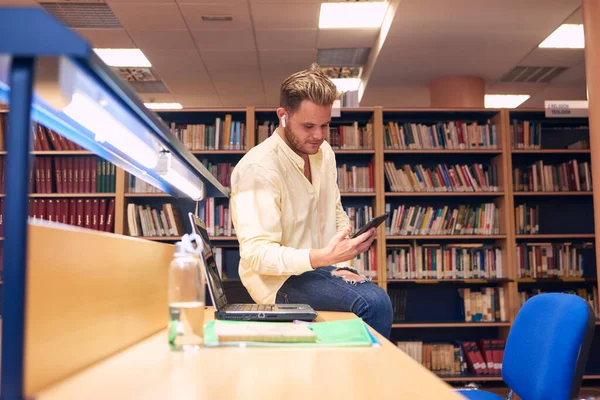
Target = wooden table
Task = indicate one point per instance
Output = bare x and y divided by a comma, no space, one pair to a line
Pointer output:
149,370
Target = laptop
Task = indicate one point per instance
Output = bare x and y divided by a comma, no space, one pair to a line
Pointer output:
244,312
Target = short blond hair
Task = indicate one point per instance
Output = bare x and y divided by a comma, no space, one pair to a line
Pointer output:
311,84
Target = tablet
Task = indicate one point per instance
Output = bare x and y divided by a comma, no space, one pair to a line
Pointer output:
374,223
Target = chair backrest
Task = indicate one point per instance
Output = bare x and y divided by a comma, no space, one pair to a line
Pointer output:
547,347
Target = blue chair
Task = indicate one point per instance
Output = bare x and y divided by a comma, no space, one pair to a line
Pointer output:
546,350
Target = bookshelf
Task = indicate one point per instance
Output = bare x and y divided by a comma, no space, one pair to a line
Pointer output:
425,318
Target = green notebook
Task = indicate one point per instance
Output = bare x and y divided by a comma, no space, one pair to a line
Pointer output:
343,333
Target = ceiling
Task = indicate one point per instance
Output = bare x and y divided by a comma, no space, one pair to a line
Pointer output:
242,62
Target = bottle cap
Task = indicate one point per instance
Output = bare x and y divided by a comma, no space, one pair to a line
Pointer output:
179,249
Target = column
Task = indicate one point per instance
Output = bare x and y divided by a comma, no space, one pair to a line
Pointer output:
591,23
457,92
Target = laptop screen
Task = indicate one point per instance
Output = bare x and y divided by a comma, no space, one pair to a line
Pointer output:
217,292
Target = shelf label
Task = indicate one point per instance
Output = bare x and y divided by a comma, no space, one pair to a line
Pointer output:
566,108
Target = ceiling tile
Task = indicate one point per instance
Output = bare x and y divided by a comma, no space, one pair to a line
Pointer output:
161,16
287,39
230,61
139,2
193,16
107,38
285,16
576,17
201,86
240,83
180,69
346,38
163,40
244,100
198,100
275,58
157,97
224,39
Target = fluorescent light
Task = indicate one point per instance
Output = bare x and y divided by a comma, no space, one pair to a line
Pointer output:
346,84
352,15
174,172
187,187
123,57
567,36
163,106
90,114
505,100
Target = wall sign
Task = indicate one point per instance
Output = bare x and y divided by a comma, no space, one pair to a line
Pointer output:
566,108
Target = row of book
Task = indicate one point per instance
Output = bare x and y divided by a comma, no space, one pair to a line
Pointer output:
92,213
225,134
527,135
442,178
217,218
359,216
352,178
527,219
265,130
138,185
452,135
590,295
427,220
221,171
64,175
551,260
366,263
351,137
486,304
154,222
45,139
451,261
482,357
570,176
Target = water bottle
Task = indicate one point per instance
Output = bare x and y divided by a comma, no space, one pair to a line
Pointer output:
186,299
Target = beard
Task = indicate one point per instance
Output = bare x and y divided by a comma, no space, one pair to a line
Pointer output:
296,144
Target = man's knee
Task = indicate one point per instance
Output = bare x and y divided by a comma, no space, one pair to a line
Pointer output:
376,301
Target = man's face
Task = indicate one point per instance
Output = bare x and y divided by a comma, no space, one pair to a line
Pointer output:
307,128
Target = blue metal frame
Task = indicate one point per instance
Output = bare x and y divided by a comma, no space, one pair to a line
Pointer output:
16,213
25,35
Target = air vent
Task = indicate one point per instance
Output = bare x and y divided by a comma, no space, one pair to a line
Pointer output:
218,18
522,74
343,57
342,72
83,15
149,87
136,74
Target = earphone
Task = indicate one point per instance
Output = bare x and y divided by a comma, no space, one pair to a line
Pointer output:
283,121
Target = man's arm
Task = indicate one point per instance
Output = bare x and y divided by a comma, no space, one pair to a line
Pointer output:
255,207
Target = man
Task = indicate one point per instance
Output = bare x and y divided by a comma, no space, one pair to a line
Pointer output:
286,209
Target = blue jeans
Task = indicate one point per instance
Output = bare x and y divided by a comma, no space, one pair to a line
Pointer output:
326,292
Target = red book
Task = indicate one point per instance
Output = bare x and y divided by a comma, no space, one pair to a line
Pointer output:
72,212
88,174
42,209
88,213
51,214
95,209
35,209
43,138
81,175
36,139
79,213
110,216
54,140
59,174
69,170
38,177
48,169
1,217
75,175
102,215
64,211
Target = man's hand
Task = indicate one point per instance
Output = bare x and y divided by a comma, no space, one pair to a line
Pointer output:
340,248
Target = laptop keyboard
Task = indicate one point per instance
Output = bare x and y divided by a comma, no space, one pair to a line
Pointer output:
250,307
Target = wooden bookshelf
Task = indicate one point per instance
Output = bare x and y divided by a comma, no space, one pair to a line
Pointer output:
504,158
